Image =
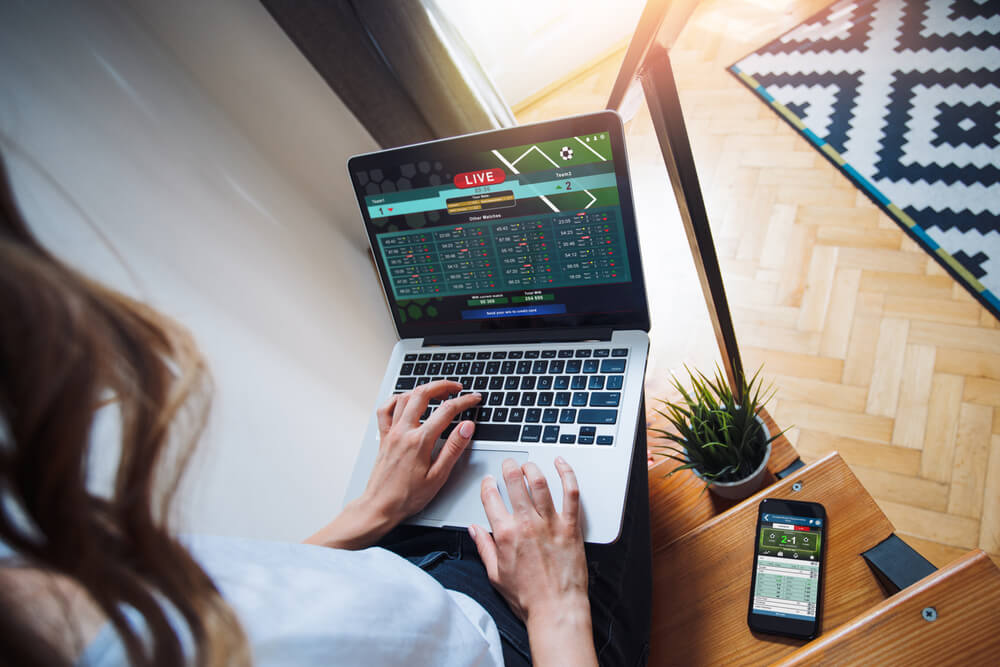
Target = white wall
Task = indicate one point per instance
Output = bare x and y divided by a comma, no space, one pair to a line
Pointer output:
185,153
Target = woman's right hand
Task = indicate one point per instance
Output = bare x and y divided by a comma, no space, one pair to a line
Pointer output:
535,559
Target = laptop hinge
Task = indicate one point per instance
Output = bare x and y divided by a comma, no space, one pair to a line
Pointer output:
521,336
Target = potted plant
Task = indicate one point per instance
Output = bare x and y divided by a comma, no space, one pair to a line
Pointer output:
720,437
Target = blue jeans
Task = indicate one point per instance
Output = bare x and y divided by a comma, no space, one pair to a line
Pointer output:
620,577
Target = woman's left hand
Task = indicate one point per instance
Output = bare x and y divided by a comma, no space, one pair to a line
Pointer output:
405,477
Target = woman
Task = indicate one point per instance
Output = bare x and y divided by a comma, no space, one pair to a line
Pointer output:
97,578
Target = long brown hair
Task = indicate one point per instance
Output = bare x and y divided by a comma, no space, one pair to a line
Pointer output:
69,346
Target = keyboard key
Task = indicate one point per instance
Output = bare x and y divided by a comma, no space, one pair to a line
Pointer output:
531,433
485,414
468,356
500,355
580,354
423,380
439,356
531,354
406,369
512,398
513,382
481,383
523,367
448,368
567,439
462,368
613,366
492,368
580,399
402,384
565,354
483,355
596,382
591,416
556,367
550,416
507,367
516,415
588,430
504,432
545,398
410,357
562,398
527,383
585,440
528,398
550,434
466,383
496,398
478,368
567,416
548,354
603,352
546,382
515,354
539,367
573,366
605,440
496,382
454,356
434,368
591,366
423,357
579,382
619,352
500,415
533,415
615,381
605,399
561,382
420,369
467,414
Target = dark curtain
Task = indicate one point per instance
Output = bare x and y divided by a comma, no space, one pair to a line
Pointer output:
398,65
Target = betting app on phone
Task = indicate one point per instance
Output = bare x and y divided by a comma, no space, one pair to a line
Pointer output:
787,580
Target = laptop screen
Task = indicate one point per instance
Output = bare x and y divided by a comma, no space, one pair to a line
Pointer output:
520,228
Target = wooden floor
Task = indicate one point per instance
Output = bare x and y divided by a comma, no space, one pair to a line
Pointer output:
873,349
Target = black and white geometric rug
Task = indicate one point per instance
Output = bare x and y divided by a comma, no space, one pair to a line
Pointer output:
903,96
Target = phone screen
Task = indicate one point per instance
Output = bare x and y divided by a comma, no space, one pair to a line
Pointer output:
788,562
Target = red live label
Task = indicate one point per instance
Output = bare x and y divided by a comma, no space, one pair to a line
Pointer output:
801,527
475,179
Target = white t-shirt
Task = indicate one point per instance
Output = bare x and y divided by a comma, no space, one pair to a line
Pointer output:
301,604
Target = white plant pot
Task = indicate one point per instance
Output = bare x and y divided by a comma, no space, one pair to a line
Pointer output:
746,487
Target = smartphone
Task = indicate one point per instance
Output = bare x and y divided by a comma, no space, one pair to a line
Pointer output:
786,591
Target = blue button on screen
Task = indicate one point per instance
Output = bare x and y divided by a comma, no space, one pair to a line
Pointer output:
517,311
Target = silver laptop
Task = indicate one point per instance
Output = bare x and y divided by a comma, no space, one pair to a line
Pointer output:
510,262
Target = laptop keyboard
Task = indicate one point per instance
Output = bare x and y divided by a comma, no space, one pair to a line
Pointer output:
558,395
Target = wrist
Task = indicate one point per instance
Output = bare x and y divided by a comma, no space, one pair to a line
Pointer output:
360,525
571,611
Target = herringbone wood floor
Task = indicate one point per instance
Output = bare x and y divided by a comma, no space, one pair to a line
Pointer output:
873,350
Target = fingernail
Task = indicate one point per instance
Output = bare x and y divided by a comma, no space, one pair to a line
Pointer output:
561,460
466,429
472,532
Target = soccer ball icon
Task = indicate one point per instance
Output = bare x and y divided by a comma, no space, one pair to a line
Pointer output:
566,152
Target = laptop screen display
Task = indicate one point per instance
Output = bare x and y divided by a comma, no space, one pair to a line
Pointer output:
510,229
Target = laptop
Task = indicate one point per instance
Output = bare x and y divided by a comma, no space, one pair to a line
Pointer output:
510,262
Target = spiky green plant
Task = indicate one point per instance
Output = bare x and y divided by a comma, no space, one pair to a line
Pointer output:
717,435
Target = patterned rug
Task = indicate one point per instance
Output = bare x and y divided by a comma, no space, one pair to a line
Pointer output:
904,98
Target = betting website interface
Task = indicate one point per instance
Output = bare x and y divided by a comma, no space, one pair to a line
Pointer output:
788,562
499,233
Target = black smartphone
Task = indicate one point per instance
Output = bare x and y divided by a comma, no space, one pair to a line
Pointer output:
786,590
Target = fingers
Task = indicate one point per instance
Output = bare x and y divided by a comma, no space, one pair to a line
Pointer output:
571,492
384,415
539,489
452,449
397,411
421,396
496,511
446,412
487,549
514,478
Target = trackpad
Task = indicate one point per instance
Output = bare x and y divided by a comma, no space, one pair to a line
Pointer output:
458,502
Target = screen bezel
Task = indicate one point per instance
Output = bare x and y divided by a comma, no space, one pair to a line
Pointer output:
788,627
637,314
